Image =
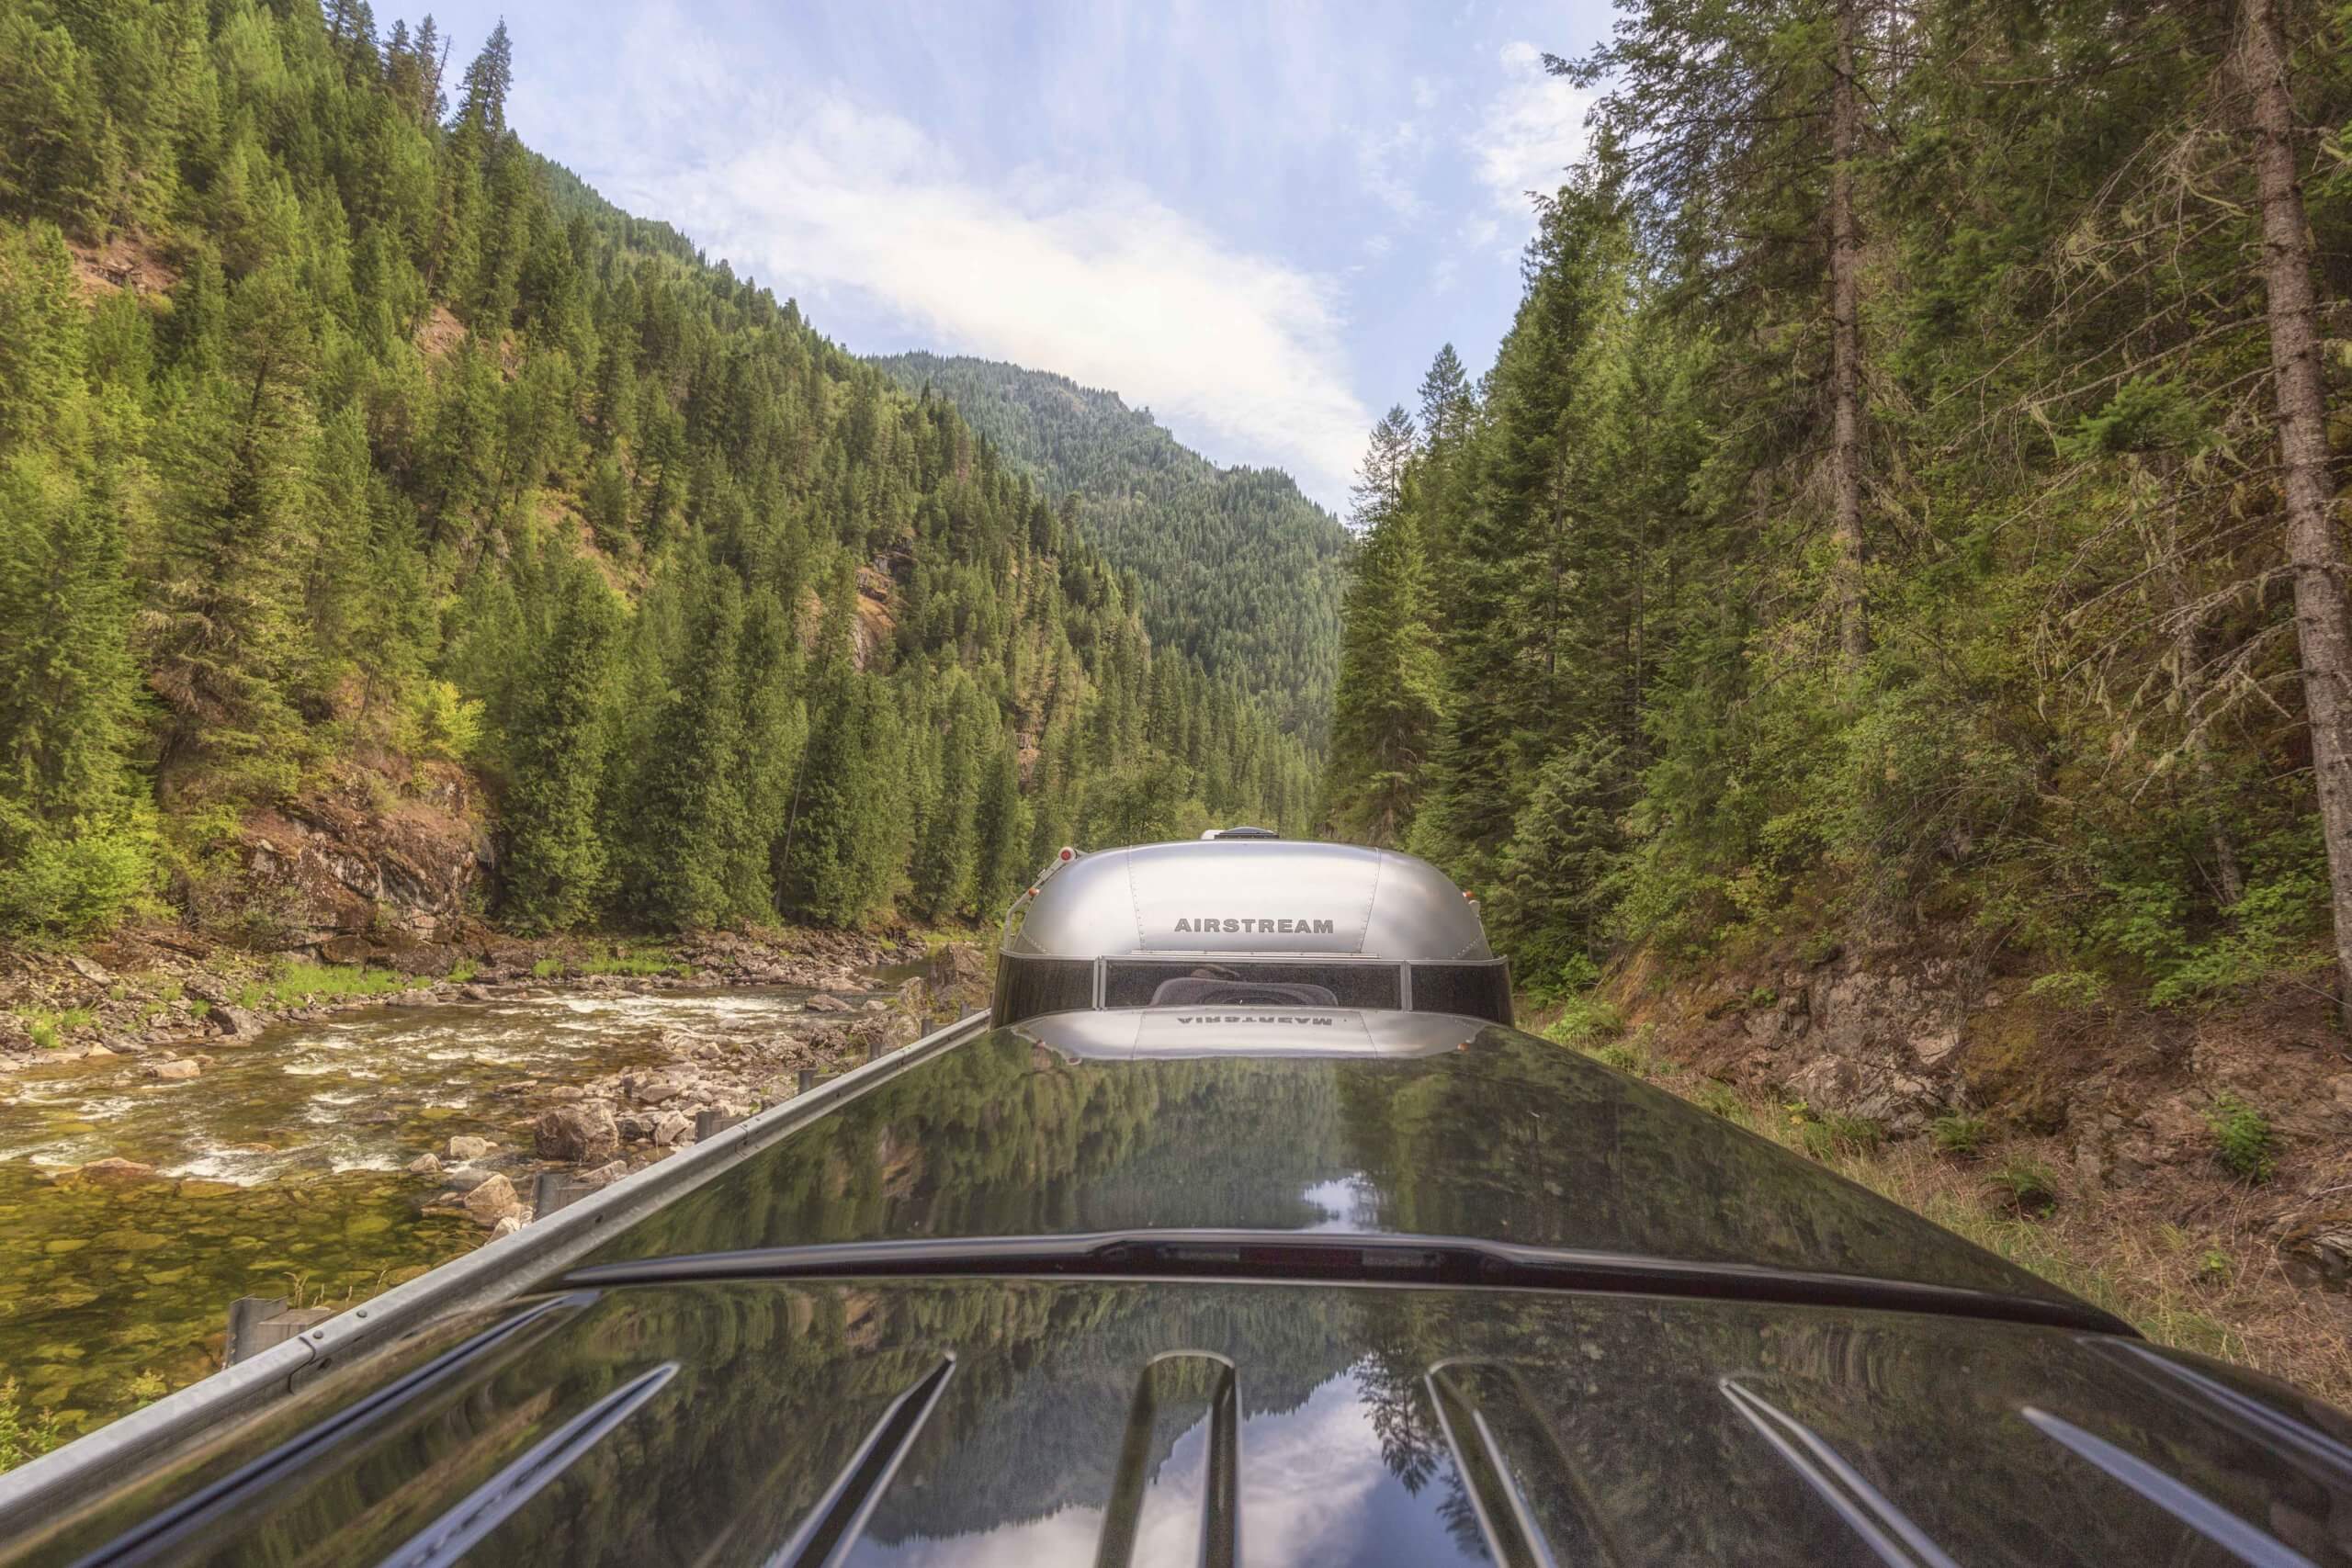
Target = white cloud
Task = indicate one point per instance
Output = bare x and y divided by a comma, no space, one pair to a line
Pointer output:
1531,132
827,198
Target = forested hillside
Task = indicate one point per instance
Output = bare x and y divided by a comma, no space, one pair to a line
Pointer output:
1238,569
344,442
1905,494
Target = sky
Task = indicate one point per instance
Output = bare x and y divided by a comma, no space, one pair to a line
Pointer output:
1259,222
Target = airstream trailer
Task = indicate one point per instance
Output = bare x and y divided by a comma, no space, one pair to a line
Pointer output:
1252,921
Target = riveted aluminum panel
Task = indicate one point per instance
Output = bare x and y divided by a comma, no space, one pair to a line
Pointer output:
1243,897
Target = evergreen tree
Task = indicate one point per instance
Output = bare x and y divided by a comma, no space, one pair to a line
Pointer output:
555,866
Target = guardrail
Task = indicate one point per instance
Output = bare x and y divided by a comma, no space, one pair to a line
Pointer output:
493,1272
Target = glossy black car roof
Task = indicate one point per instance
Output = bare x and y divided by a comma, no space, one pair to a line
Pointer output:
694,1394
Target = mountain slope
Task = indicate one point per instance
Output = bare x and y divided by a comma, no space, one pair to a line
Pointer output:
1238,569
346,445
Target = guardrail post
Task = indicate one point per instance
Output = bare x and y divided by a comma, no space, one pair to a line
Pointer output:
262,1323
808,1079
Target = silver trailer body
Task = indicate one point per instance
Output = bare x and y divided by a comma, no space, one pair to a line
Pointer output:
1247,921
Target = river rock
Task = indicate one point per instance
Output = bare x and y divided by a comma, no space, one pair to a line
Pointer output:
232,1019
114,1167
654,1090
2319,1252
507,1225
604,1174
98,1050
673,1128
578,1133
466,1178
471,1148
821,1002
634,1128
425,1163
492,1201
173,1070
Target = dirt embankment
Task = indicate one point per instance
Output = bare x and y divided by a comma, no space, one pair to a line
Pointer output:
2200,1156
382,869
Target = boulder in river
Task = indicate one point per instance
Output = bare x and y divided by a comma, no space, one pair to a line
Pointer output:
114,1167
427,1164
181,1068
471,1148
492,1201
579,1133
238,1022
821,1002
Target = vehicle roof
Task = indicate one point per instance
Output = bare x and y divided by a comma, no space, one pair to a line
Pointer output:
1265,896
1047,1422
1378,1123
621,1417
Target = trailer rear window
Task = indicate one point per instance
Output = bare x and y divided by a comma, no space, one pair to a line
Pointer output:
1028,986
1132,983
1474,990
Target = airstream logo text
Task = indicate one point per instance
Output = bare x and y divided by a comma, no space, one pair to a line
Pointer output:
1253,1018
1299,926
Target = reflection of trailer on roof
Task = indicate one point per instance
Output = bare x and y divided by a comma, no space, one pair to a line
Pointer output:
1243,918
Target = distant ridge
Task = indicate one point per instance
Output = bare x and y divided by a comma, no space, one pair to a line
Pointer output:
1237,567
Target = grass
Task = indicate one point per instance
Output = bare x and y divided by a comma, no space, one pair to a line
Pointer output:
637,962
2219,1290
463,970
300,984
24,1435
47,1028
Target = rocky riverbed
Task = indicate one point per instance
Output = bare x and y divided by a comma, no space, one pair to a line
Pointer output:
150,1175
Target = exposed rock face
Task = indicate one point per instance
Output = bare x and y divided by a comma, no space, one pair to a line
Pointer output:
342,874
582,1133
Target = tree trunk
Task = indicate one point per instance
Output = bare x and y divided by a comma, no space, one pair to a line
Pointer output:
2323,635
1845,346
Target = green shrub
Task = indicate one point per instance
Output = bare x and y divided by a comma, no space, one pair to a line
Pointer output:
1624,1059
1721,1100
1584,1021
1830,1134
64,881
2215,1269
2069,988
546,968
2243,1138
2026,1186
463,970
1959,1133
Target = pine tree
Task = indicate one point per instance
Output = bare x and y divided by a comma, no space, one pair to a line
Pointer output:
556,867
1385,719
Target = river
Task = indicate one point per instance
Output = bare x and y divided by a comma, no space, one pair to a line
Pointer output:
279,1171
